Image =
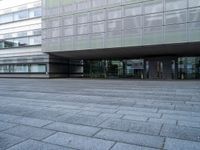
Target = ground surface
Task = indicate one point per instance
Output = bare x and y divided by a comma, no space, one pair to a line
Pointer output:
65,114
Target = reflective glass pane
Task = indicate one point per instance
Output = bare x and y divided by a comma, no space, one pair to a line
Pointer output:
21,15
175,4
6,18
175,33
153,6
175,17
98,27
132,10
153,20
194,3
114,13
153,35
194,14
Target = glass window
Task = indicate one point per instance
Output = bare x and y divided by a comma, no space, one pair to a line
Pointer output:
194,14
153,35
36,12
132,10
194,3
21,68
69,8
83,4
21,15
115,25
83,18
68,20
6,18
68,31
55,22
22,33
97,3
1,44
83,29
175,33
97,40
132,22
175,17
194,31
132,37
55,32
153,20
37,32
98,27
21,42
38,68
9,43
98,15
175,4
4,68
114,1
35,40
153,6
114,13
8,35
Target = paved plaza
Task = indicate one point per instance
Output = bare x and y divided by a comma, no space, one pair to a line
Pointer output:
75,114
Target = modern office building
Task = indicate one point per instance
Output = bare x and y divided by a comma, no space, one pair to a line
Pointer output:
20,39
153,39
146,39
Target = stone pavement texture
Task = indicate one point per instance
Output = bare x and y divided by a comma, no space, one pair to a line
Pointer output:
75,114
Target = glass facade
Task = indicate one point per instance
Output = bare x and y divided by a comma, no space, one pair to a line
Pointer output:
97,24
23,68
131,68
20,15
21,39
188,68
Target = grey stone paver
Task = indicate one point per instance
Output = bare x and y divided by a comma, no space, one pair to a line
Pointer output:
145,114
36,145
79,142
99,114
7,118
5,125
8,140
29,132
134,117
132,126
176,144
73,128
82,119
131,138
120,146
165,121
189,124
31,121
181,132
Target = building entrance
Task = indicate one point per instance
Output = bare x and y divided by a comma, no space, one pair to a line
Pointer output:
161,68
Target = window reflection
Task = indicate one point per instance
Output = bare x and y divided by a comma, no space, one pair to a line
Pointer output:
20,42
20,15
23,68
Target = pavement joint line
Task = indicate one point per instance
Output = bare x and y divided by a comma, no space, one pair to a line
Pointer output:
112,145
25,139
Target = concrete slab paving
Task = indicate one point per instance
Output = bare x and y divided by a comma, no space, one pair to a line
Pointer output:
37,145
8,140
79,142
83,114
29,132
